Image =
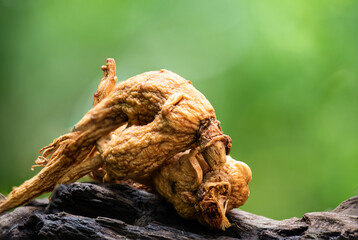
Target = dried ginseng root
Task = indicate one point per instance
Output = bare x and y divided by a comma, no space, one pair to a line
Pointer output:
131,131
198,192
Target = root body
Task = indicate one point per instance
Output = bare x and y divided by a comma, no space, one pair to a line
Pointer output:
132,130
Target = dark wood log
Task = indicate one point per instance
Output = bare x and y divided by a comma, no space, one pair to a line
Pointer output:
118,211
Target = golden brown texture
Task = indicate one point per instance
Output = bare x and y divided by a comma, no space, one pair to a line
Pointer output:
205,195
131,131
178,180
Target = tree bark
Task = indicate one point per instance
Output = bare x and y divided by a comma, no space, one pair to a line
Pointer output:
118,211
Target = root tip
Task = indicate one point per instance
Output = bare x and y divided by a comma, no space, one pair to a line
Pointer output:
2,198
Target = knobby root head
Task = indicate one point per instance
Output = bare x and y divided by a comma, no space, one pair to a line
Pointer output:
213,198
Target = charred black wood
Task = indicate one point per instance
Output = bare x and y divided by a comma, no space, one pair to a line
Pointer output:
118,211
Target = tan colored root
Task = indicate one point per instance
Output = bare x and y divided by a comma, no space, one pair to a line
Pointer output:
104,89
68,157
187,182
178,179
164,115
108,82
51,175
81,169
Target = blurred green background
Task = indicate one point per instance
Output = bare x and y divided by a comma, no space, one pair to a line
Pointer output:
282,76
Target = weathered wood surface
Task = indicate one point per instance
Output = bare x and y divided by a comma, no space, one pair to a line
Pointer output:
117,211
